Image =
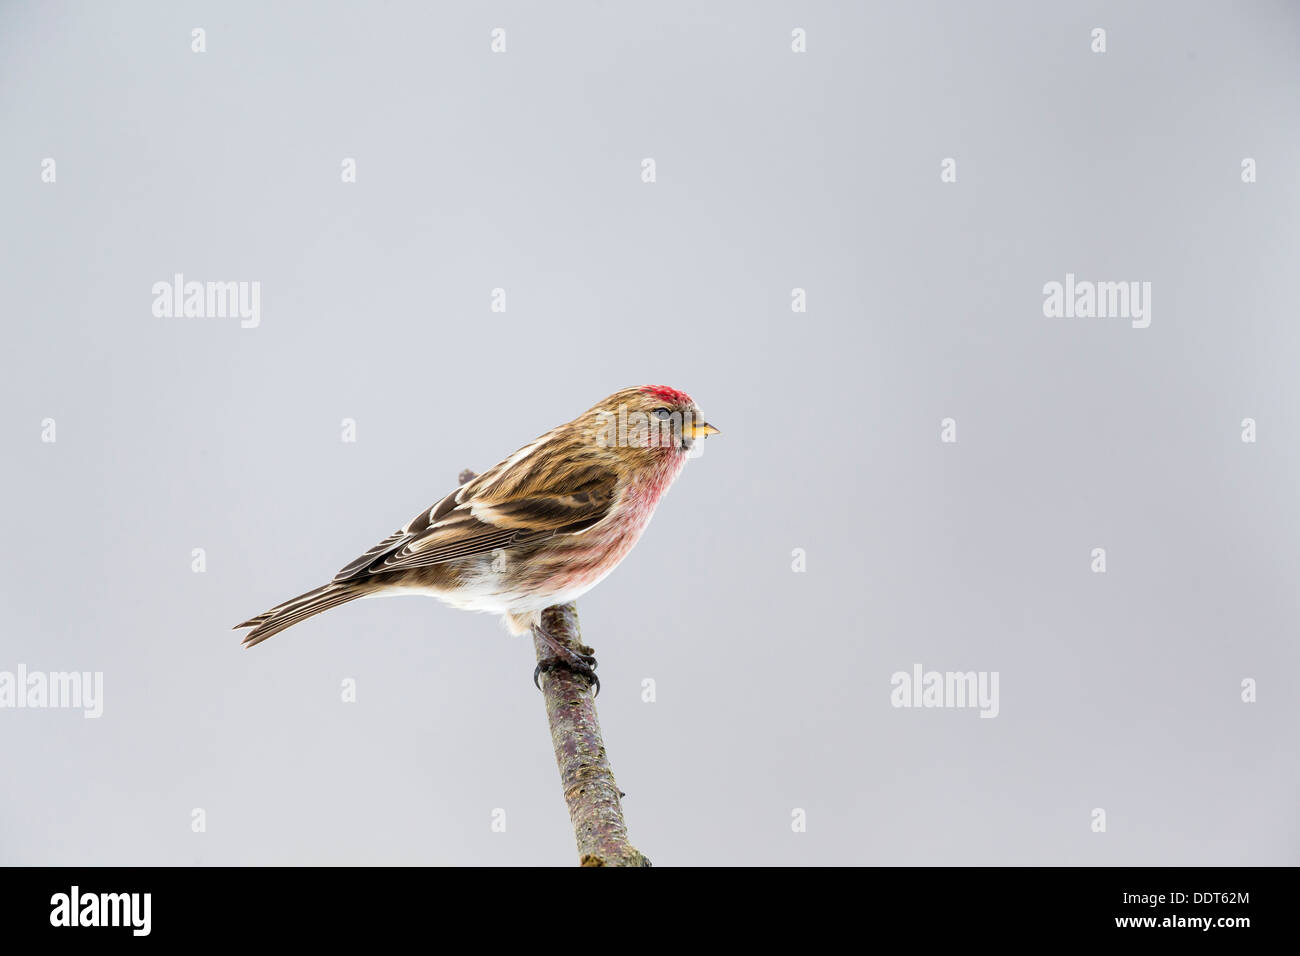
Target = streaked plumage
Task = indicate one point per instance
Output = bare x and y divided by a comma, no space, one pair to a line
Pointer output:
541,528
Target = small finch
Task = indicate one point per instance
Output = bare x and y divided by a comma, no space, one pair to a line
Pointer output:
541,528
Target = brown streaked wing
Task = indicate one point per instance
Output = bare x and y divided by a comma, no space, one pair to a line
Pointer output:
476,527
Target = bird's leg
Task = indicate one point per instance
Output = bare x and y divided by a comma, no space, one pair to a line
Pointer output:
580,659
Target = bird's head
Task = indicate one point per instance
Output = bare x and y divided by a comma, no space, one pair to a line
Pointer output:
648,424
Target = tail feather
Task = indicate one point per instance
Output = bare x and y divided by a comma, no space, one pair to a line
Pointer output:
272,622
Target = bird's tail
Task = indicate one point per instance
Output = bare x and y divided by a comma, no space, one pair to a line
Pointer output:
272,622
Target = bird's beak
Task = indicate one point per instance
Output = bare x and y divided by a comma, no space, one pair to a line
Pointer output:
701,431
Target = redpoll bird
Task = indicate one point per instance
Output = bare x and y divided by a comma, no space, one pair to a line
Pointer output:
541,528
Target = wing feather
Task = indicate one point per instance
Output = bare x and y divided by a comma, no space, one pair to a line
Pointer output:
466,524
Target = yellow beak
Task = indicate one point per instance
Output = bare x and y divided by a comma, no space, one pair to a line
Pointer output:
700,431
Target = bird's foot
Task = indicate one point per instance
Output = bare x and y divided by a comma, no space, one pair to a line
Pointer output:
574,667
579,660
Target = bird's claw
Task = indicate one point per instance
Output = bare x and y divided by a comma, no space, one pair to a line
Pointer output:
577,658
583,664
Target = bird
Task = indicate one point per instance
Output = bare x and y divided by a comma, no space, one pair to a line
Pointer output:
542,527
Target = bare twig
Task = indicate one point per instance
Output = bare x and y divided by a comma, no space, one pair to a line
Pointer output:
593,797
594,800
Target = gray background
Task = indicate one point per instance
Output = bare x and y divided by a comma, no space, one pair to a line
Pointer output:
775,170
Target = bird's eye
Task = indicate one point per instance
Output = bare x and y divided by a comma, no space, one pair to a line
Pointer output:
662,414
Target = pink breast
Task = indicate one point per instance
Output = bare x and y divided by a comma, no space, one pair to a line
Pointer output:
595,553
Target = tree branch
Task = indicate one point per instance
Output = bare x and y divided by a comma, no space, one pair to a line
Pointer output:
593,797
